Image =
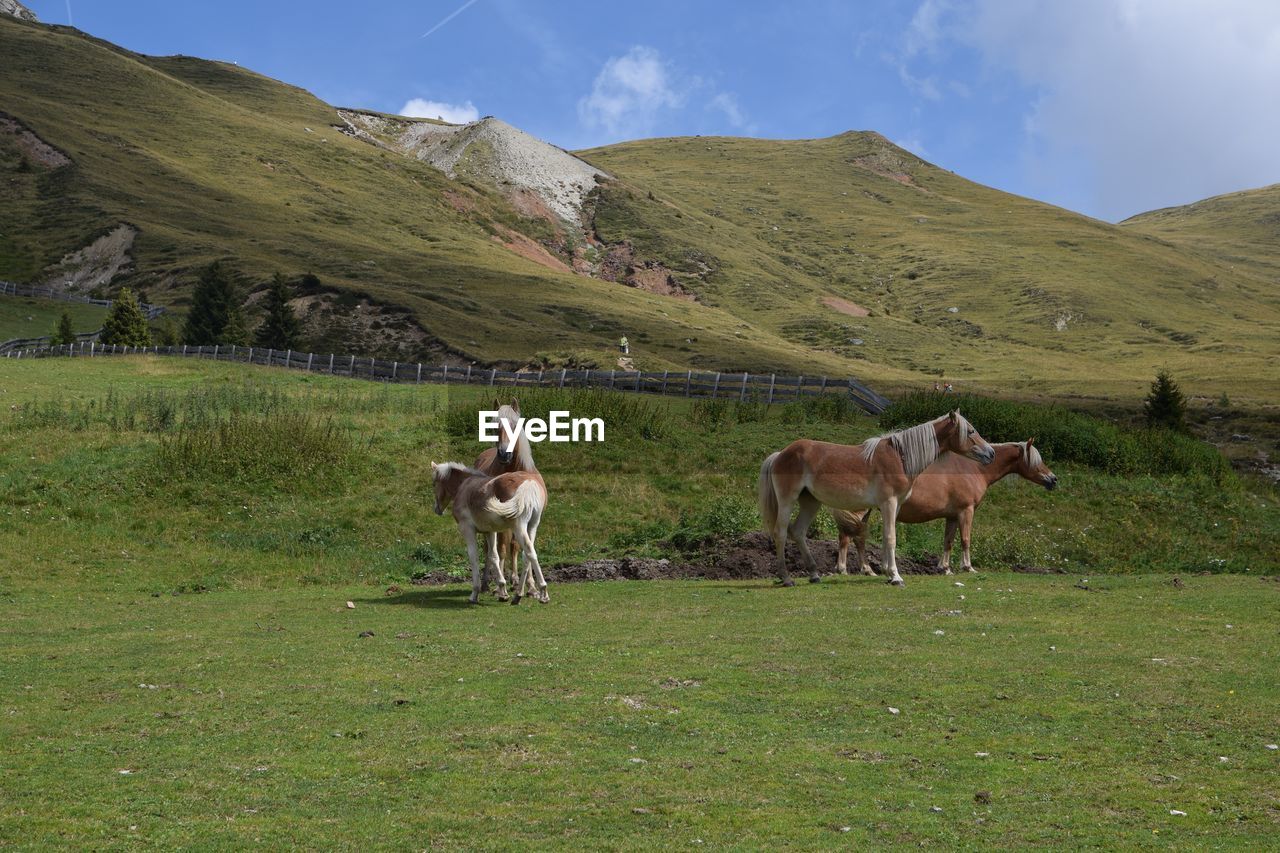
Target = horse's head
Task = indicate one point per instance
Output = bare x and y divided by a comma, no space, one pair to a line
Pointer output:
958,436
508,415
1031,467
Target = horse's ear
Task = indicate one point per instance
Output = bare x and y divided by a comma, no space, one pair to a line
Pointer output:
953,414
434,466
515,404
497,404
1029,442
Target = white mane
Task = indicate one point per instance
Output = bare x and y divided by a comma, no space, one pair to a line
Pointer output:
1032,453
444,469
918,444
524,452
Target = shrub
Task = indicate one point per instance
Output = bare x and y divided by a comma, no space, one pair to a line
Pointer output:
280,329
125,325
64,333
215,316
282,447
1067,436
1165,407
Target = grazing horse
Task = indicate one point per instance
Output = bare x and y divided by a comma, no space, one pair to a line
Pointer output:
950,488
500,460
877,473
511,503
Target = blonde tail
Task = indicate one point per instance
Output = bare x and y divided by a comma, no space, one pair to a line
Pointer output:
528,501
768,497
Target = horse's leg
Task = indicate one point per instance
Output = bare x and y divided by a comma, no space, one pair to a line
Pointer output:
543,595
494,557
469,536
785,506
799,530
531,562
842,552
889,513
860,540
948,539
966,527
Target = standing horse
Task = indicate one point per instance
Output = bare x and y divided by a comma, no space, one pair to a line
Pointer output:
877,473
508,503
950,488
499,459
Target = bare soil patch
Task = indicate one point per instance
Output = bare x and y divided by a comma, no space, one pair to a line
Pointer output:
747,557
530,249
844,306
33,147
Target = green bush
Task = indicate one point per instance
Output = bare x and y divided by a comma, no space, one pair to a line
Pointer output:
1067,436
286,448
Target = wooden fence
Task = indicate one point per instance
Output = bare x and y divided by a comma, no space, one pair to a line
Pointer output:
9,288
768,388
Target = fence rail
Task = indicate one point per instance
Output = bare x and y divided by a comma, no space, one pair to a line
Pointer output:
769,388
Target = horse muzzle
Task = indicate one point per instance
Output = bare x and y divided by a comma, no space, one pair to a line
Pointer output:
985,454
505,456
1051,482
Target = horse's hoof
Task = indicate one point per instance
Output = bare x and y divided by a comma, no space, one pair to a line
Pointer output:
815,579
504,598
515,599
787,582
897,582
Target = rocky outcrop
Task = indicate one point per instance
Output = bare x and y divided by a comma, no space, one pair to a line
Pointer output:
14,9
529,171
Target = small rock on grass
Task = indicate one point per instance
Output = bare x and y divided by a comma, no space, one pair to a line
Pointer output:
351,605
366,634
894,711
1177,812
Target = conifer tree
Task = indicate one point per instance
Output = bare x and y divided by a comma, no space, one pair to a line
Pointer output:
215,316
280,329
1165,406
64,332
126,325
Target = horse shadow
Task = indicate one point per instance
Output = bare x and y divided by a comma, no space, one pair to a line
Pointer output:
437,598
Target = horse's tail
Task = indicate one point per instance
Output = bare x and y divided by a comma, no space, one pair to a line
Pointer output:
849,522
528,501
768,497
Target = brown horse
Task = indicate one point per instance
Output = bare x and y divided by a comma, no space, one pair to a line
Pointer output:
508,503
950,488
501,459
877,473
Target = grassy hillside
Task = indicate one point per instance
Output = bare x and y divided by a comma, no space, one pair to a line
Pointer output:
1039,293
1238,229
23,317
787,245
185,671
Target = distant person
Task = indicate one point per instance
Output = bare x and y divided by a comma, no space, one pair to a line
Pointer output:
624,345
948,389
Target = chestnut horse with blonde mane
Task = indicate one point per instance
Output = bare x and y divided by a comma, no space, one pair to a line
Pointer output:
877,473
950,488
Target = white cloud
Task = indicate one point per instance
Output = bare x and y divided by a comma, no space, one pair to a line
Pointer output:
727,104
453,113
1164,102
630,93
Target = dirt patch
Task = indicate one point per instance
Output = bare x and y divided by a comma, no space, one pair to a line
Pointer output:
35,149
530,249
887,163
96,264
620,265
459,202
747,557
844,306
343,322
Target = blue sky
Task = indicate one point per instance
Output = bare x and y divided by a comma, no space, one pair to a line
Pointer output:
1108,107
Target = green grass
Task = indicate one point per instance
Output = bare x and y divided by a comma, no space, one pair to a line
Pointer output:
23,317
188,625
211,161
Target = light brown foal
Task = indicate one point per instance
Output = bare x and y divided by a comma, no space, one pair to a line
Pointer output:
500,460
950,488
877,473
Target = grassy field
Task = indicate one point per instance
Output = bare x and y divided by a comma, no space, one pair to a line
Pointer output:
211,161
23,317
181,668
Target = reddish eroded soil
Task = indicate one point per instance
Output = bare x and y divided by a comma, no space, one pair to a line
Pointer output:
531,250
747,557
621,265
844,306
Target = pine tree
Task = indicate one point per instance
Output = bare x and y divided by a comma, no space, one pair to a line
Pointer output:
1165,406
126,325
64,332
215,316
280,329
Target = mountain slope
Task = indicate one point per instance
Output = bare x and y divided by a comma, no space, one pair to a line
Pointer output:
844,255
1241,228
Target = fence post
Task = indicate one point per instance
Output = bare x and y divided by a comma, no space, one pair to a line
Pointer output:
800,387
612,376
562,377
310,358
468,374
184,349
493,371
715,389
446,374
664,382
688,380
823,389
330,364
772,378
743,396
395,368
90,349
373,368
